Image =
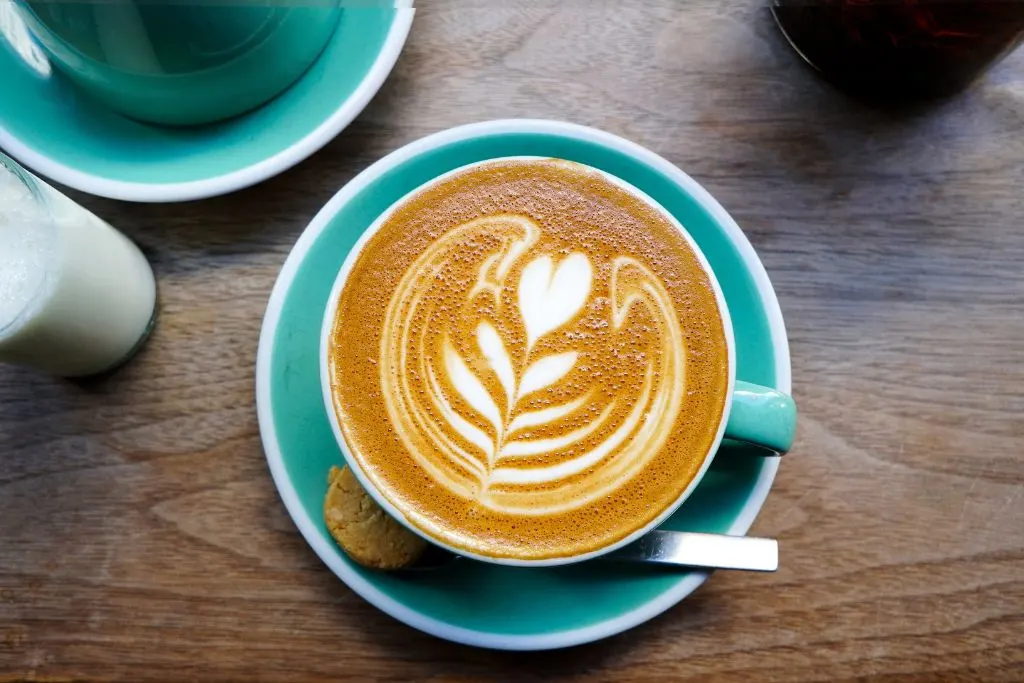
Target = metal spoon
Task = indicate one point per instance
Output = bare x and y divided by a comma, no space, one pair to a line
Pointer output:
676,548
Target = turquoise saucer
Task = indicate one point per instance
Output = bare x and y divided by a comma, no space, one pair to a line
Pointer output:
52,128
474,603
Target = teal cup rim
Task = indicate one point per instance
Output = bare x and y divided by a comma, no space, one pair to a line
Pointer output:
326,332
773,354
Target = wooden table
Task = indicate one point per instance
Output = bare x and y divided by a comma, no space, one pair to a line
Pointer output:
141,537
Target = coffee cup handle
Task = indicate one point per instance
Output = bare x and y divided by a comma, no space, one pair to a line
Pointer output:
762,417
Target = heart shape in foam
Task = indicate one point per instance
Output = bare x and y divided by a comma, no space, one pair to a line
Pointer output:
549,297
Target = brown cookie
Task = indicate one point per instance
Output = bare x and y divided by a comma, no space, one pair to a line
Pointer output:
364,531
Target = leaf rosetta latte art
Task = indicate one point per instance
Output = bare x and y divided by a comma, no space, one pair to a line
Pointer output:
509,407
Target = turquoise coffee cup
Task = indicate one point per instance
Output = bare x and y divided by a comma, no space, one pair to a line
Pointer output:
759,417
182,63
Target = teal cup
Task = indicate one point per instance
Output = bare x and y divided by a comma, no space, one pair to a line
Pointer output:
180,62
761,418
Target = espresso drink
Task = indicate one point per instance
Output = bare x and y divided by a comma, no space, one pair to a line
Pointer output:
528,361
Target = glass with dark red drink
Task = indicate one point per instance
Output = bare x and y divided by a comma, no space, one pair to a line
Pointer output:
900,49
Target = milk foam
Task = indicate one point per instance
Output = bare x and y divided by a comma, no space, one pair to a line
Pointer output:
483,446
27,252
550,297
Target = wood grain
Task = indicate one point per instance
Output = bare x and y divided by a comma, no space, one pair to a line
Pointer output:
141,538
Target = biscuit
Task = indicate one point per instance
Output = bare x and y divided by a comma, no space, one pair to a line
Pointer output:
364,531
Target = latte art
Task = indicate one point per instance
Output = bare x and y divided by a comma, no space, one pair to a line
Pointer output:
527,361
480,404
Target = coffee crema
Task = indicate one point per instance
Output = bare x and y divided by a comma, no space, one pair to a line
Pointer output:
528,361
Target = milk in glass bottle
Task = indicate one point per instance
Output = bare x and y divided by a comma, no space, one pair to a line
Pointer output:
77,297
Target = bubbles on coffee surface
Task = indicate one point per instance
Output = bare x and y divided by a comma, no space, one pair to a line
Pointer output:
478,396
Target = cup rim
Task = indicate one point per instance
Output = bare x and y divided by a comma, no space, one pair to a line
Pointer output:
327,326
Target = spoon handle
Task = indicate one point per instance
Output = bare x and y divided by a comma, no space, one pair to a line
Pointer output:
702,551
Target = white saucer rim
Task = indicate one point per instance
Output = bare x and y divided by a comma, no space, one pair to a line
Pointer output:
329,554
255,173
